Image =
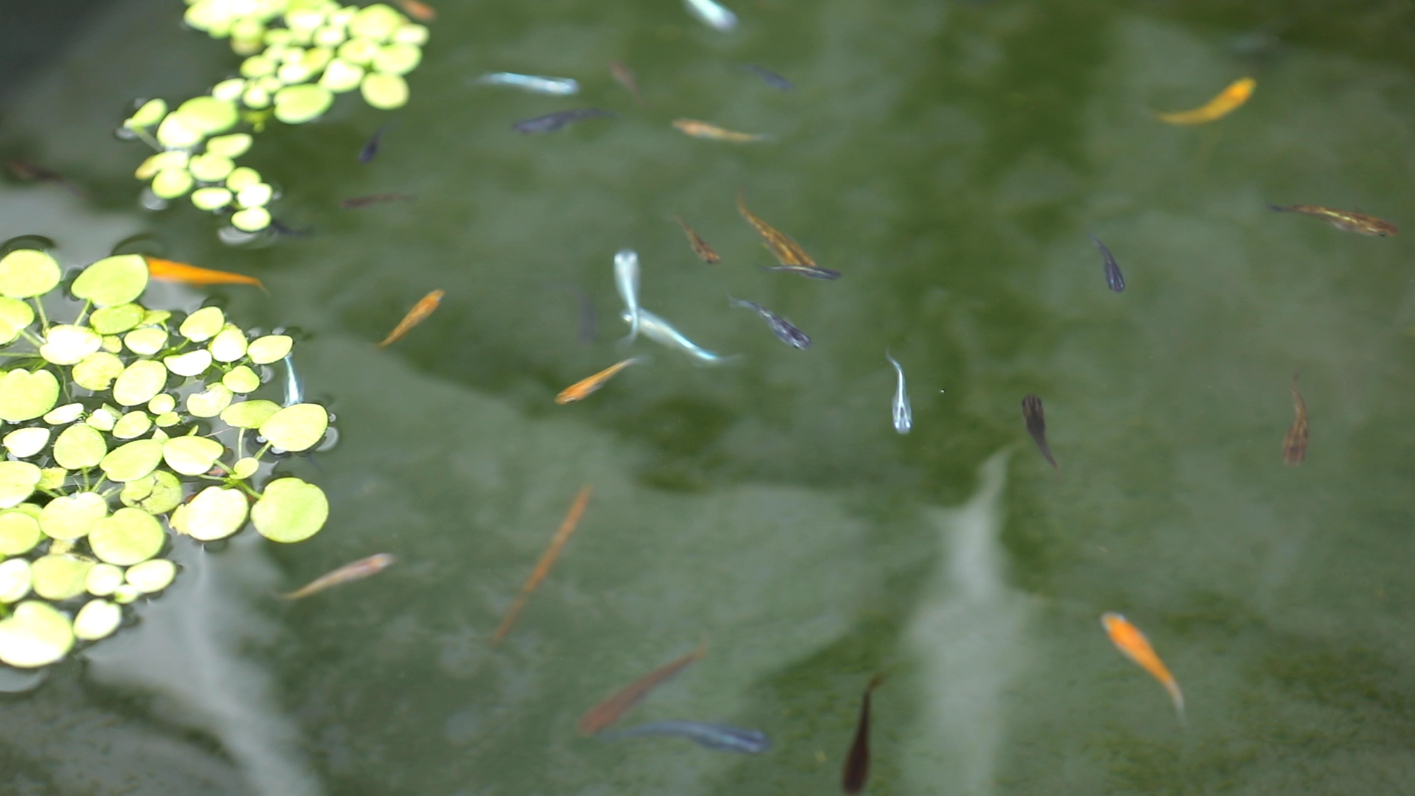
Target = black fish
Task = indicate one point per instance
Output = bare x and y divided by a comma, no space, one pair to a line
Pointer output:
769,77
33,172
784,331
1113,277
281,229
1037,425
371,148
551,122
857,760
377,198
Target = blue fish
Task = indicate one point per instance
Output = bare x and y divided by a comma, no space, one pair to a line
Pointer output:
713,736
780,327
370,150
551,122
1113,278
769,77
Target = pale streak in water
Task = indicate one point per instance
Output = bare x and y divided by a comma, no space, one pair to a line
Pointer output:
557,86
658,330
626,281
903,414
714,15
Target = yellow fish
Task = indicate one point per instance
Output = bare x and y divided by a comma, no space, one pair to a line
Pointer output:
1130,641
582,389
168,271
700,247
1294,446
1225,103
699,129
415,316
1344,219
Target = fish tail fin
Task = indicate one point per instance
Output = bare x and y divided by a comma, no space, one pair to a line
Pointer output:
1172,686
262,287
1278,208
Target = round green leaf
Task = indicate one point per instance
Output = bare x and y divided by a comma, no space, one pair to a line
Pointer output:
203,324
209,402
257,195
79,447
358,51
19,533
15,316
133,424
228,345
270,348
68,345
112,280
50,478
191,455
152,576
340,76
231,146
230,91
35,635
116,319
156,493
67,413
27,272
256,97
245,468
296,428
192,363
178,132
290,510
241,379
137,384
242,177
146,341
72,516
59,577
14,580
299,104
26,442
103,418
411,34
257,66
103,579
172,159
161,404
97,371
132,461
97,619
25,396
252,219
215,513
397,59
171,183
384,91
165,420
149,114
249,414
377,21
211,198
211,167
17,482
129,536
208,114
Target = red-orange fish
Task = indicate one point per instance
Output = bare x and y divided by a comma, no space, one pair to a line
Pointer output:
422,12
415,316
609,711
582,388
547,560
1294,447
700,246
1130,641
168,271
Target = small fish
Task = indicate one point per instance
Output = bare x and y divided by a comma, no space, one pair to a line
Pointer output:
1344,219
903,414
1113,278
1294,447
712,14
33,172
168,271
551,122
808,271
375,198
624,76
700,247
1225,103
769,77
294,390
1037,425
1130,641
415,316
714,736
370,150
857,761
787,251
783,330
422,12
358,570
547,560
712,132
658,330
582,388
280,229
626,281
557,86
609,711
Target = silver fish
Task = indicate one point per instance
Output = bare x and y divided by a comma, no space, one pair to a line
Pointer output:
558,86
713,736
783,330
294,390
712,14
626,281
903,414
658,330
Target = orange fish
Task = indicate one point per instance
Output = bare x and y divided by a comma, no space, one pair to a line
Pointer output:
582,388
1344,219
787,251
547,560
358,570
1294,447
699,129
609,711
422,12
415,316
700,246
168,271
1225,103
625,77
1129,640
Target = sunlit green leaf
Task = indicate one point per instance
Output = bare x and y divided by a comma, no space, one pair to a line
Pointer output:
126,593
35,635
149,114
249,414
103,579
137,384
133,424
215,513
256,66
384,91
167,419
340,76
231,146
207,114
112,280
252,219
290,510
68,345
14,580
152,576
51,478
209,402
301,103
211,167
191,455
257,195
25,396
62,415
59,577
72,516
97,371
397,59
19,533
17,482
97,619
161,404
211,198
242,177
377,21
228,345
241,379
296,428
132,461
103,418
229,91
26,442
79,446
178,132
156,493
203,324
172,183
116,319
270,348
146,341
330,36
171,159
15,316
192,363
27,272
245,468
129,536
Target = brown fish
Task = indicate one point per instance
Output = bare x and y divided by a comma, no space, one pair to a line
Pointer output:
787,251
624,76
547,560
422,12
700,246
609,711
857,760
1294,447
373,199
358,570
415,316
1037,425
698,129
582,388
1346,220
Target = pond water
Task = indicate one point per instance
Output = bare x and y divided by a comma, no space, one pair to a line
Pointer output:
950,159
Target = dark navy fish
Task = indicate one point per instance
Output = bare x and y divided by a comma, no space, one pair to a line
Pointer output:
713,736
551,122
769,77
370,149
1113,277
1035,418
857,760
373,199
784,331
281,229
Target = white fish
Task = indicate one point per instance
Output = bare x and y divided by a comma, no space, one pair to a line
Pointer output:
658,330
903,415
626,280
712,14
559,86
294,390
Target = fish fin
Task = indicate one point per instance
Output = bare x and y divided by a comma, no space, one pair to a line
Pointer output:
1177,696
1278,208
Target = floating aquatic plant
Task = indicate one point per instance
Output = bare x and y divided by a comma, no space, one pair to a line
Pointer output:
122,425
301,53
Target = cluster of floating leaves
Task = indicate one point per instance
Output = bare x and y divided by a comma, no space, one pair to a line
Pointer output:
300,54
113,424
